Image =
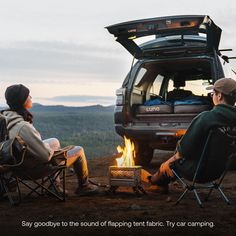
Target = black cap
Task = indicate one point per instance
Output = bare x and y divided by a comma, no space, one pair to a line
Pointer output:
16,95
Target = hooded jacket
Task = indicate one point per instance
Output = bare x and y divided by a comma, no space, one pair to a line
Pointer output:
37,151
191,145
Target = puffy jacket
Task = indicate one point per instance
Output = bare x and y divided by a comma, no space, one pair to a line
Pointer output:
37,151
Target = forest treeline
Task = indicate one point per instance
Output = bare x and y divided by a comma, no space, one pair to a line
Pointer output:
90,127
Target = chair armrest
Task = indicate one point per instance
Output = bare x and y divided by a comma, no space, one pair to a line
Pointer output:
59,156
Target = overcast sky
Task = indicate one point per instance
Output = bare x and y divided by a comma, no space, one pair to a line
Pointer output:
60,48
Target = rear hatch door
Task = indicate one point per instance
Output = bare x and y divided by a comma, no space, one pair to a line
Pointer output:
183,25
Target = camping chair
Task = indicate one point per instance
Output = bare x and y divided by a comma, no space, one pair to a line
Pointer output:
217,154
39,180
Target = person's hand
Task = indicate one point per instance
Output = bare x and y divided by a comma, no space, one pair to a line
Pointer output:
165,168
145,175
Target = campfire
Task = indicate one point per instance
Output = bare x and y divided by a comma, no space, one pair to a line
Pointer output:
126,173
128,154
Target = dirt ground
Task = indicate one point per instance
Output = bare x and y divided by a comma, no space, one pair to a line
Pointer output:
123,213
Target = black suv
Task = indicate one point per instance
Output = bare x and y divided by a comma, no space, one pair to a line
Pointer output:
165,88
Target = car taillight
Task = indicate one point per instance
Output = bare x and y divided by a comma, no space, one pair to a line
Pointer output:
119,100
120,97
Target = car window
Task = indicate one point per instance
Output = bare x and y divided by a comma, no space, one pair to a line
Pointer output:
139,76
156,86
197,87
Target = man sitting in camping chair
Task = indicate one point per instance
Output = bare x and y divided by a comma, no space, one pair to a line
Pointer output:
192,143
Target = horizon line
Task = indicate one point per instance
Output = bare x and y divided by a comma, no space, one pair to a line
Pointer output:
40,104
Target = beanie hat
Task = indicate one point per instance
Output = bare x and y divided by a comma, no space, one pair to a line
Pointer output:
16,95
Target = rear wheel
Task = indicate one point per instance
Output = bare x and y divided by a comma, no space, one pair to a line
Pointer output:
144,153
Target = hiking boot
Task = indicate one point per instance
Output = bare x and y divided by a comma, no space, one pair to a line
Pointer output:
87,190
159,189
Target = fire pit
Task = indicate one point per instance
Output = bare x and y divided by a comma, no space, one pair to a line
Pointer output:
126,177
126,173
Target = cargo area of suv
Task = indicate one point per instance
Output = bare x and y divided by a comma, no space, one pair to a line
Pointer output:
165,97
166,86
172,87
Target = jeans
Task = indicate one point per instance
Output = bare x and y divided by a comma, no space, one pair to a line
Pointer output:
75,157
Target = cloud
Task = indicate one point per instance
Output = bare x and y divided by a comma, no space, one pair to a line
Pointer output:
82,98
60,60
78,100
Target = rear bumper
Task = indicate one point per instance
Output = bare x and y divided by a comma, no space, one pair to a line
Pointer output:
165,139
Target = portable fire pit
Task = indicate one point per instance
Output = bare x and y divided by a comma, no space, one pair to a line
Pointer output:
122,176
125,173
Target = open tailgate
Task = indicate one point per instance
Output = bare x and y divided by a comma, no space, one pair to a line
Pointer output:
126,32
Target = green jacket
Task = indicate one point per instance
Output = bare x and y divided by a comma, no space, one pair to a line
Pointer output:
191,145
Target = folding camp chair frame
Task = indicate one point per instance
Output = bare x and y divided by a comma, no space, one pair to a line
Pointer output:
4,184
40,184
193,186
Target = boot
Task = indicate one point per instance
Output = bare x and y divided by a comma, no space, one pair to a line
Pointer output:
87,190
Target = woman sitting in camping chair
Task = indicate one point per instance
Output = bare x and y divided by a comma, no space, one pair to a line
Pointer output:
20,123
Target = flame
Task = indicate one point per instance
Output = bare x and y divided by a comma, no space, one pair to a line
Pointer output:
128,154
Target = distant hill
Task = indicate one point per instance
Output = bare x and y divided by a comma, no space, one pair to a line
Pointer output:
95,108
60,108
91,127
